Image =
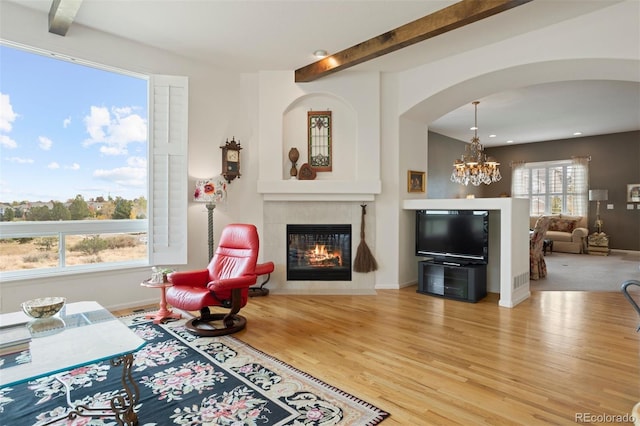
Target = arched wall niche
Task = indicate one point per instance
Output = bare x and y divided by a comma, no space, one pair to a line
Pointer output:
344,134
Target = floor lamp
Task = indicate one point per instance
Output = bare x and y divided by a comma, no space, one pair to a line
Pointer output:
598,195
211,191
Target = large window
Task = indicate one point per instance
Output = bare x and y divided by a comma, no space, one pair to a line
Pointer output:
82,149
553,187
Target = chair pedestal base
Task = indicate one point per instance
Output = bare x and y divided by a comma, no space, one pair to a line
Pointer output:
258,291
202,326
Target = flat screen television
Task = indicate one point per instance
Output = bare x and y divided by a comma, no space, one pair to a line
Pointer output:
453,236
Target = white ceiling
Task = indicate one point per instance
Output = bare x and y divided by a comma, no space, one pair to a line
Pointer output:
249,36
548,112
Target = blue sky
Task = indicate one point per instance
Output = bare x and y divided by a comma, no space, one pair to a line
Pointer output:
68,129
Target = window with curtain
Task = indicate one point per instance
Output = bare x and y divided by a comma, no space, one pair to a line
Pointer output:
553,187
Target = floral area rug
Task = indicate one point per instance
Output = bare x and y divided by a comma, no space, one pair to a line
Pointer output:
190,380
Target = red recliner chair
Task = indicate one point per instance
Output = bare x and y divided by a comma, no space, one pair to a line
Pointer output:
224,283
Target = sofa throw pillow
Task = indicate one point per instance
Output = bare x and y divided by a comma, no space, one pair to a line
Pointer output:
562,224
578,219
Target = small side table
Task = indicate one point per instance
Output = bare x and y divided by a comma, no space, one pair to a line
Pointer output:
164,312
598,244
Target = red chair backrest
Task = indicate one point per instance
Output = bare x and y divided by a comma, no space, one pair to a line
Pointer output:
237,252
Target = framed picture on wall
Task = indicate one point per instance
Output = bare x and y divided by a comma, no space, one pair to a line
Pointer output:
633,193
415,181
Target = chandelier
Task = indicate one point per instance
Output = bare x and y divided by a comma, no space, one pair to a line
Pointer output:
473,167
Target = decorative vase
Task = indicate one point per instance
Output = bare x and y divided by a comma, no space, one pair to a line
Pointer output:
293,157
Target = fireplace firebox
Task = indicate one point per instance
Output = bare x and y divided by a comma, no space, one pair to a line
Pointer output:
319,252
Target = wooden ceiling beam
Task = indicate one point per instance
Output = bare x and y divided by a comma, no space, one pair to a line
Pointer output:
455,16
62,14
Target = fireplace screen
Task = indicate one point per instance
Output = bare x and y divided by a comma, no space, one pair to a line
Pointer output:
319,252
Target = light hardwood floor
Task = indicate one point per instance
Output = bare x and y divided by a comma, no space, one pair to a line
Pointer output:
428,360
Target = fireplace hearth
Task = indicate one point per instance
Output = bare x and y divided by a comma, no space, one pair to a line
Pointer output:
318,252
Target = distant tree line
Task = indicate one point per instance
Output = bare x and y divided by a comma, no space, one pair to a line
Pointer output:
78,209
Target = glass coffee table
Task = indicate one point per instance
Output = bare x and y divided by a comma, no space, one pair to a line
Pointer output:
81,333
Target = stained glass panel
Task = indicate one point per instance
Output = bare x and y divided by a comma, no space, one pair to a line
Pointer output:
319,132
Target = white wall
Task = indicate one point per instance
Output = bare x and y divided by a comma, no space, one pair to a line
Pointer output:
388,201
413,156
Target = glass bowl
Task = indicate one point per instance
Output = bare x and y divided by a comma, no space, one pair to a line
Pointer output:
43,307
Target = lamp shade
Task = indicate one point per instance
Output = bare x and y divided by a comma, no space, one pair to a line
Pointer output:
212,190
598,195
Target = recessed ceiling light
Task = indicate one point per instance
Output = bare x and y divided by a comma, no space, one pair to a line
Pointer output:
577,133
320,54
492,136
509,141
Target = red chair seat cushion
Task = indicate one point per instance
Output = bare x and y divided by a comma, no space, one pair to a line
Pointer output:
191,298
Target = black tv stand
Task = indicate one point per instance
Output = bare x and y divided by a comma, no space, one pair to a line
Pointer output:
452,281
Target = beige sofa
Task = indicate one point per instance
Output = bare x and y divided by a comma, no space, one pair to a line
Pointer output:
568,233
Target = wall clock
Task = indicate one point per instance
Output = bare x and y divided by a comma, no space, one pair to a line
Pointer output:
231,160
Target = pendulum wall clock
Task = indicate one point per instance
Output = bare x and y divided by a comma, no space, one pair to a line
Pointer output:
231,160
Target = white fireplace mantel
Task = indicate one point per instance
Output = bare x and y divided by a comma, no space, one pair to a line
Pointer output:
319,190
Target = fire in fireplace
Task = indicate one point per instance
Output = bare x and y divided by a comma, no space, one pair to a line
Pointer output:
319,252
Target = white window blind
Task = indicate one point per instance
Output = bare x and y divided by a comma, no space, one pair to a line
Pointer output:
168,184
553,187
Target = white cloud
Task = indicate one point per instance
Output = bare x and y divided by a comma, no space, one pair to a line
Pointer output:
74,166
66,122
53,165
129,176
129,128
115,129
7,115
20,160
45,143
7,142
140,162
122,110
113,150
98,119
